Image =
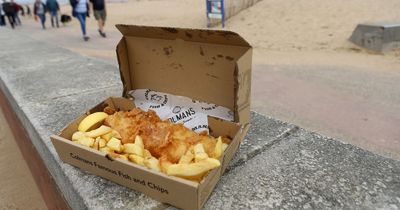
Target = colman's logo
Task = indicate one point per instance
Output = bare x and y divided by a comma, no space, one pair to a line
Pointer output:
156,99
183,115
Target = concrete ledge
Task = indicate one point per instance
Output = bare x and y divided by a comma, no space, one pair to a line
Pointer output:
277,166
308,171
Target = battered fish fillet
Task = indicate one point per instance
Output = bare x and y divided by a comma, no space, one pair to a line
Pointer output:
163,139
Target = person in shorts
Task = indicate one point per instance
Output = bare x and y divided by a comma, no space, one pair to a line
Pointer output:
99,11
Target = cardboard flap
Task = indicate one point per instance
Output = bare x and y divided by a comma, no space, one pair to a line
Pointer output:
199,64
193,35
243,88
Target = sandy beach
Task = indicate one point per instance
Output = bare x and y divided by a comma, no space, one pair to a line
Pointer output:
306,31
273,27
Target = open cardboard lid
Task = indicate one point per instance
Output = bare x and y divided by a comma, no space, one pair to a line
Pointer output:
206,65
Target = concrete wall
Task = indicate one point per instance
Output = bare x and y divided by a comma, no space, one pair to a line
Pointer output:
378,37
232,7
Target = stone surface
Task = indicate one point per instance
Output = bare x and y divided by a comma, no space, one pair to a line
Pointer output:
377,36
44,71
307,170
264,132
277,166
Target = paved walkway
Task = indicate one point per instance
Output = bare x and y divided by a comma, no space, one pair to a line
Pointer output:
359,106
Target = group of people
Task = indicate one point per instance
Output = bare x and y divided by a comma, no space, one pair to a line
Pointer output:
11,11
80,10
40,9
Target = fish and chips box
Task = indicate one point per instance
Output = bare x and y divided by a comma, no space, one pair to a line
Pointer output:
206,65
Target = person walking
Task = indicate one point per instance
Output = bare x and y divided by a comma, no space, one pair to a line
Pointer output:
2,16
39,10
17,8
80,9
53,7
99,12
9,10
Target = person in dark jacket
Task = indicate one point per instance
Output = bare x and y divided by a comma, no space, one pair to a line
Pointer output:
9,10
39,10
17,8
2,16
53,8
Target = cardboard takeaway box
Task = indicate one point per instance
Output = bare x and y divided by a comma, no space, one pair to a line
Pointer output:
205,65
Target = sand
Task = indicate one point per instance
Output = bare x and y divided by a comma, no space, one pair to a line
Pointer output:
315,29
281,31
309,25
18,189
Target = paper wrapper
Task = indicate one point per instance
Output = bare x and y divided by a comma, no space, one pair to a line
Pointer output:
179,109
